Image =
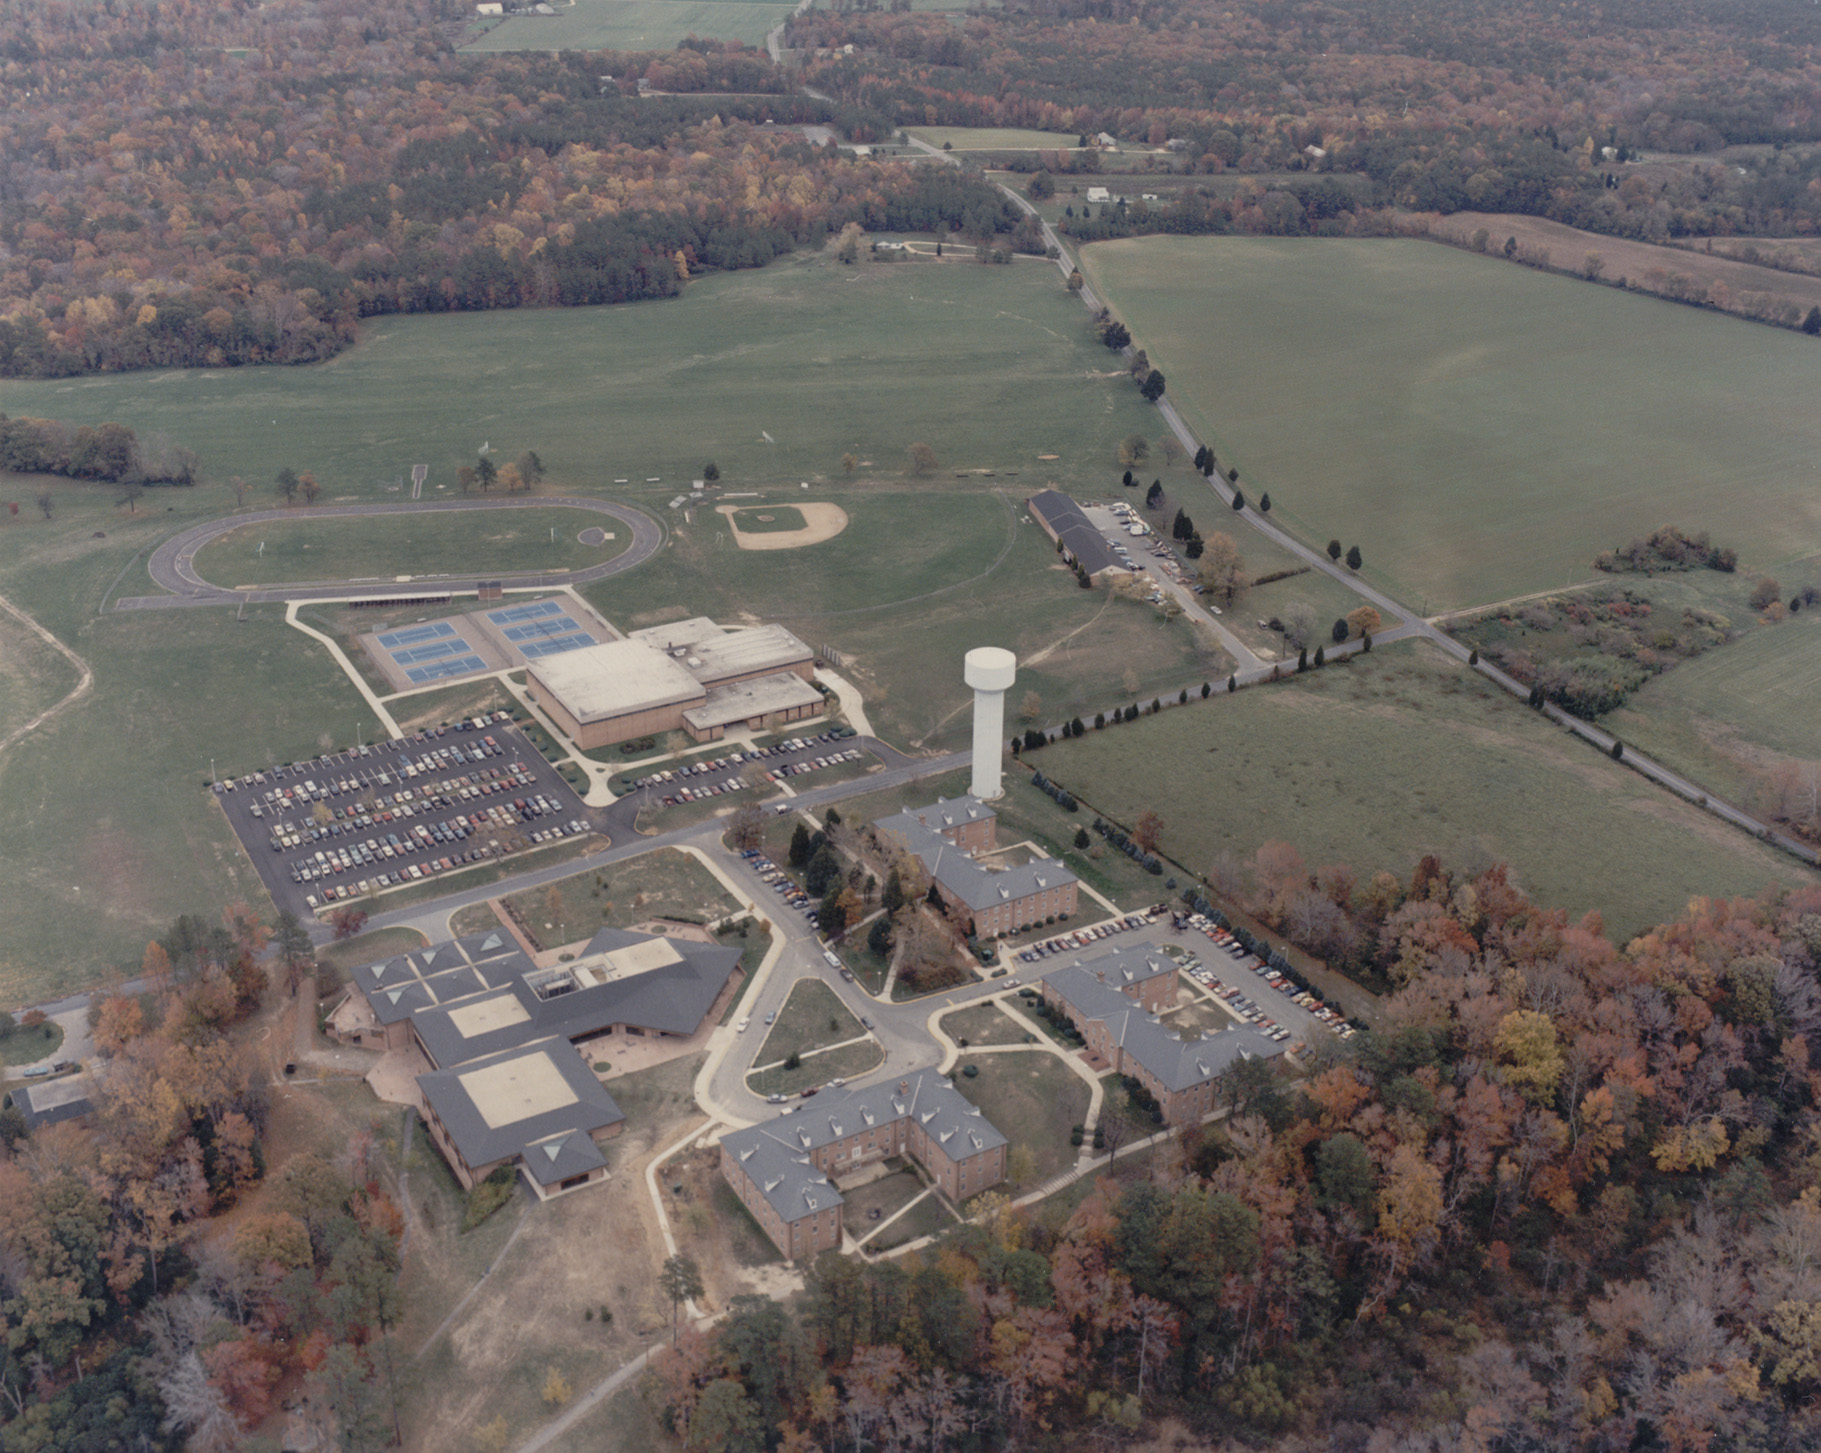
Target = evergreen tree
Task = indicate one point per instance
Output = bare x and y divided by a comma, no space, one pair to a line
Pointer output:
1321,655
1239,499
1264,503
1232,684
1354,558
1334,549
799,846
824,868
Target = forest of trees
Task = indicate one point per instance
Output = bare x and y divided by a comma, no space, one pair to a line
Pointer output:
1566,1196
1443,107
186,184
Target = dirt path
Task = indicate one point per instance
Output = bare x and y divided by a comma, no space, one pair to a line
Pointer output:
84,684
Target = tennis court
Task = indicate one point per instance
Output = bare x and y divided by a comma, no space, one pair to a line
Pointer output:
543,628
431,653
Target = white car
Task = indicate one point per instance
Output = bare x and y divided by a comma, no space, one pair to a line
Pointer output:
741,1026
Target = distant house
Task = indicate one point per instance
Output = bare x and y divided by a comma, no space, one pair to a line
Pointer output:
489,7
1063,521
1316,153
52,1102
1176,143
1112,1001
1099,194
785,1171
1106,141
946,835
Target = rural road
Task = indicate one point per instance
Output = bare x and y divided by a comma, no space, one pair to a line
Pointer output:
1414,624
172,565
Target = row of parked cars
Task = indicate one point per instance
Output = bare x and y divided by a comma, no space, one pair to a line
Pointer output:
378,810
351,858
1273,978
781,883
683,789
330,764
811,764
1082,937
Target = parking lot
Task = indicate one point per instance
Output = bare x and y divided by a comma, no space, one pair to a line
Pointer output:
752,767
1251,991
339,827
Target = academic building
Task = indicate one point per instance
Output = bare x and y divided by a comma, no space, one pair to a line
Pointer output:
947,837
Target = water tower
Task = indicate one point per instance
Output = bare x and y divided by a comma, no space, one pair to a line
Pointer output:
990,671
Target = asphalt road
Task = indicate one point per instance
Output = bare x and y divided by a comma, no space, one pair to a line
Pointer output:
172,565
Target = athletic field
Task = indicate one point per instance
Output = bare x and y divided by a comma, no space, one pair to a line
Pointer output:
634,25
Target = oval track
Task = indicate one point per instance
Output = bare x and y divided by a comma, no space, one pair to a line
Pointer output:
172,565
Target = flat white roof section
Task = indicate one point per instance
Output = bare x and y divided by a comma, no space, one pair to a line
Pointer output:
615,678
742,700
517,1089
501,1011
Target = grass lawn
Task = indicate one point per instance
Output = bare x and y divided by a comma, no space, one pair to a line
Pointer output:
1402,753
886,1195
994,138
380,547
845,1063
981,1024
664,884
32,675
1431,406
1034,1099
928,1217
28,1046
634,25
450,703
813,1016
370,948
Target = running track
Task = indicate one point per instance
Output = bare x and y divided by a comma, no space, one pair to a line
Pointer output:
172,565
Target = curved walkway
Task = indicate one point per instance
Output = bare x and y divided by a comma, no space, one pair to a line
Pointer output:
173,568
85,677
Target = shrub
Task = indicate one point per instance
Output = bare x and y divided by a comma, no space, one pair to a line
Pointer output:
488,1197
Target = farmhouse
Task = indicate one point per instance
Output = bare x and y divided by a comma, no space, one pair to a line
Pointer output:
946,836
1099,194
785,1172
500,1036
51,1102
1112,1002
687,676
1063,521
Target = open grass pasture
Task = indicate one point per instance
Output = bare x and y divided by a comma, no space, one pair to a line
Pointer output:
990,366
1399,754
33,677
634,25
1730,717
381,547
1480,431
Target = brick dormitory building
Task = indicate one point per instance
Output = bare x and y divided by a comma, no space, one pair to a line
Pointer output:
785,1171
507,1043
948,835
1114,1001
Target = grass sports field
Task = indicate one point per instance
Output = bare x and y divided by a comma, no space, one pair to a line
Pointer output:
994,138
385,546
1479,430
1376,763
634,25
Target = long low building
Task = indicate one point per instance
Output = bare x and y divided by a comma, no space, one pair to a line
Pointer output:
688,676
507,1042
946,837
1064,521
1113,1002
785,1171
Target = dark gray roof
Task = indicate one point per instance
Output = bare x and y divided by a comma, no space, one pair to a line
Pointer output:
403,985
49,1102
573,1153
920,830
1177,1064
777,1154
670,999
479,1143
1076,531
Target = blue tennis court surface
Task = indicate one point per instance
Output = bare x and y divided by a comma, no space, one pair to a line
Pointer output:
393,639
513,614
438,670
